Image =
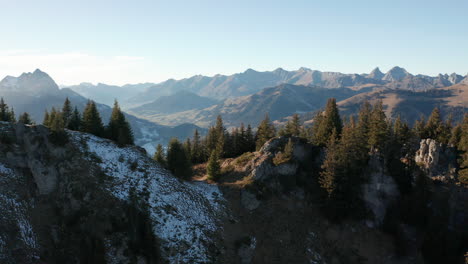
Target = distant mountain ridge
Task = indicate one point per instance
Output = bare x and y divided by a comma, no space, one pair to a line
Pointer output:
178,102
279,102
251,81
35,92
106,94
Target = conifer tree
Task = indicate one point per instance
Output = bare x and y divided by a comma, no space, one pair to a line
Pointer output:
265,132
293,126
159,156
4,111
213,168
6,115
325,124
197,151
178,161
12,115
92,122
330,165
119,129
420,128
188,148
250,139
75,120
463,147
25,118
46,121
378,126
289,150
66,112
364,117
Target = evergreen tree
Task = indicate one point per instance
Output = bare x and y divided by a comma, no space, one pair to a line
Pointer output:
265,132
289,150
378,127
159,156
56,121
325,124
25,118
4,111
292,127
119,129
92,122
12,115
250,139
188,148
330,165
6,115
66,112
213,168
420,128
364,118
342,175
178,161
463,147
75,120
57,127
197,151
46,121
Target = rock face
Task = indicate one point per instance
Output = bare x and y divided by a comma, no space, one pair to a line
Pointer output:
283,176
89,201
380,191
436,158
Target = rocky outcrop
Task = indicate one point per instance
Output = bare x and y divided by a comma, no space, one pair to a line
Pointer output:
380,191
89,201
281,177
437,159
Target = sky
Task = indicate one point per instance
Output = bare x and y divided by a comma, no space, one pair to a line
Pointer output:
119,42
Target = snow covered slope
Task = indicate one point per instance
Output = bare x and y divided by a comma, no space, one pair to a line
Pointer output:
185,214
14,219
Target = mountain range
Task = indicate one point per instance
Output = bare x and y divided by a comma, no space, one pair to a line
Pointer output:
279,102
37,91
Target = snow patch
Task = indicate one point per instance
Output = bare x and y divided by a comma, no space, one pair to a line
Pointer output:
185,214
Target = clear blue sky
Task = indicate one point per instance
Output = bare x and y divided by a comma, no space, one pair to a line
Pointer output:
137,41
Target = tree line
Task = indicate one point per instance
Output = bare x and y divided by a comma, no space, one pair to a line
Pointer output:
57,120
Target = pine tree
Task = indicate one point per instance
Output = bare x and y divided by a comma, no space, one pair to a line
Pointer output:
12,116
213,168
178,161
463,147
364,117
378,127
188,148
25,118
159,156
119,129
420,128
75,120
330,165
265,132
325,124
5,114
56,121
292,127
250,139
46,121
197,151
289,150
92,122
3,110
66,112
